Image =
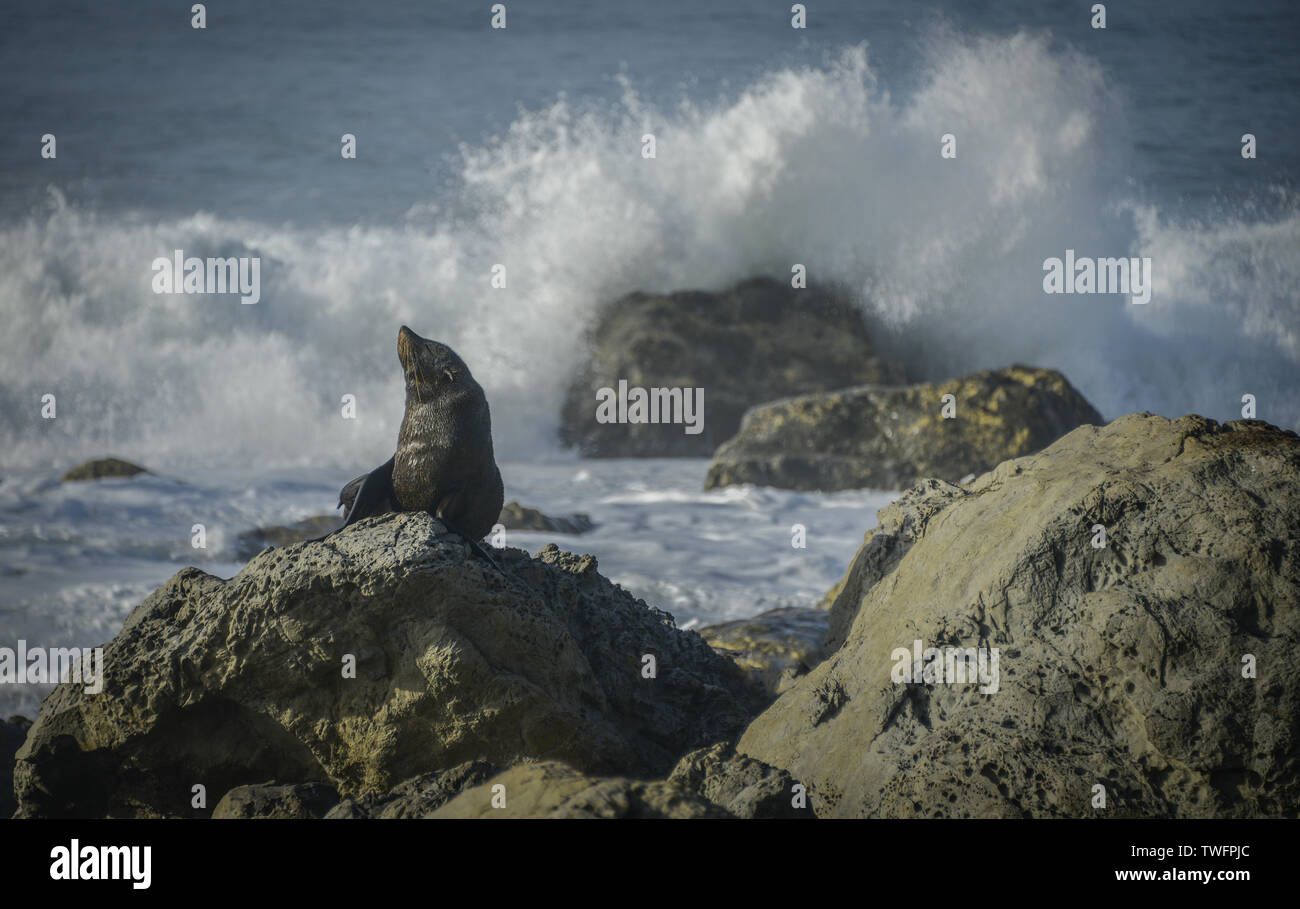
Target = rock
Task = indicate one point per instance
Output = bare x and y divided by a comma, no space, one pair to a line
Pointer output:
708,782
742,786
277,801
898,525
516,517
102,468
880,437
1121,666
774,647
251,542
555,790
419,796
12,733
231,682
758,341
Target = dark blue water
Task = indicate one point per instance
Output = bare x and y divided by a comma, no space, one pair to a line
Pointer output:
522,147
243,118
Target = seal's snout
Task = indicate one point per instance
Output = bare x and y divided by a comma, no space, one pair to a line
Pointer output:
405,343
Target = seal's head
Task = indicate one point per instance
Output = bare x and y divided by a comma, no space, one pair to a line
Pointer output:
430,368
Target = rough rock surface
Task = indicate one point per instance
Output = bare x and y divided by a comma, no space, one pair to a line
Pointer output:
775,647
233,682
102,468
513,515
12,733
251,542
1122,666
881,437
758,341
898,525
744,787
708,782
419,796
276,801
519,517
554,790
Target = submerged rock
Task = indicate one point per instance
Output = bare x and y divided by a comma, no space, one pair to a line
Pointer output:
758,341
386,652
774,647
555,790
880,437
251,542
518,517
1154,666
102,468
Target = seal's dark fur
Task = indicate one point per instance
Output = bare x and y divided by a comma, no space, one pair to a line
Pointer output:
444,462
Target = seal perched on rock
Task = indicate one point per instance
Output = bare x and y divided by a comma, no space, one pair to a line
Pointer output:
444,462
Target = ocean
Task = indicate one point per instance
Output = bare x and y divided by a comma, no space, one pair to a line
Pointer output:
522,147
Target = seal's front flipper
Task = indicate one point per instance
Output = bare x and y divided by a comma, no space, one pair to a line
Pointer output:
375,495
369,494
348,494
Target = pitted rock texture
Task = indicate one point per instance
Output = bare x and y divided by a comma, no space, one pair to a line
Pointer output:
1160,666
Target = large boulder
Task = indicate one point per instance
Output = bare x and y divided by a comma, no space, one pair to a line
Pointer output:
758,341
880,437
387,651
1153,666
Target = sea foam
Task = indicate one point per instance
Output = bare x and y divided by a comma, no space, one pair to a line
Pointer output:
819,166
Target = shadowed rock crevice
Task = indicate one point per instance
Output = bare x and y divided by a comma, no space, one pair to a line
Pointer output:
554,790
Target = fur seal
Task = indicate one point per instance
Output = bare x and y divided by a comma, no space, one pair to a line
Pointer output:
444,462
